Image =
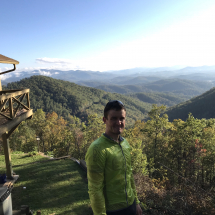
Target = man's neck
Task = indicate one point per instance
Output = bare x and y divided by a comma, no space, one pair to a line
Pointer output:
116,138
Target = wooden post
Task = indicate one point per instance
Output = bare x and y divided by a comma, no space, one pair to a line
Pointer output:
7,156
38,212
0,84
0,90
25,210
28,100
11,107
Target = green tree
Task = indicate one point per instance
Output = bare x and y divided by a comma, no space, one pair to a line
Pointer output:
156,131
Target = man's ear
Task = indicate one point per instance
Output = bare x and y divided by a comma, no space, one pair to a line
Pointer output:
104,119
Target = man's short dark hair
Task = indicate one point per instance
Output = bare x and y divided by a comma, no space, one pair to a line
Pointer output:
113,105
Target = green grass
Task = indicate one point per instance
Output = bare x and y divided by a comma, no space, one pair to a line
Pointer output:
54,187
20,159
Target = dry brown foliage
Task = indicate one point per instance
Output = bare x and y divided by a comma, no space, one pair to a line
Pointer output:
159,197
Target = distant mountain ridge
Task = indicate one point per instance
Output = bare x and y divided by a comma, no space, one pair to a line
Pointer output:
120,76
71,75
181,87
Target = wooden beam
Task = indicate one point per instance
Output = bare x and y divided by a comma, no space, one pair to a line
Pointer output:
12,130
12,123
21,103
28,100
11,107
0,85
3,104
17,93
9,91
30,117
7,156
19,96
5,116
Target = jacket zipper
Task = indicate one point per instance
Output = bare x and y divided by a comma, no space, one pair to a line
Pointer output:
125,175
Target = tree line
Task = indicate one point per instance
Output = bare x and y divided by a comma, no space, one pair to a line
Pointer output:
186,147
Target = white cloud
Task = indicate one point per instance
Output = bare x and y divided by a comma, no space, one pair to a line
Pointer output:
44,73
53,60
6,76
17,74
3,68
58,63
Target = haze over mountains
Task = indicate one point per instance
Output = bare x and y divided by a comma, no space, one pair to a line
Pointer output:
186,82
119,76
139,88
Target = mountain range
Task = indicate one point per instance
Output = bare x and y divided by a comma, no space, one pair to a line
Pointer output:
85,92
118,77
186,82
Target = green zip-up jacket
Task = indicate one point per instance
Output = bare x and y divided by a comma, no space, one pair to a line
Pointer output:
110,179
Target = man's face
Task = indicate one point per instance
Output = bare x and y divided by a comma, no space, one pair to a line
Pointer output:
115,122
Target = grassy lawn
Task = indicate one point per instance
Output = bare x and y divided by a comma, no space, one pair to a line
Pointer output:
54,187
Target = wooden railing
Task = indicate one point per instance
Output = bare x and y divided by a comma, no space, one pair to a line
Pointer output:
13,103
14,108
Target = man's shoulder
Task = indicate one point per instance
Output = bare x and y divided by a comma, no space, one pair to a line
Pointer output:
96,147
99,143
122,139
125,143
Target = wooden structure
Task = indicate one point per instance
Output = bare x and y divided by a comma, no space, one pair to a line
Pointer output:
14,108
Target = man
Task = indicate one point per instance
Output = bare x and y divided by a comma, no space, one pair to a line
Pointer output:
110,179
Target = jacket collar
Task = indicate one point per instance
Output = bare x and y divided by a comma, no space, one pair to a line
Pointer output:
120,138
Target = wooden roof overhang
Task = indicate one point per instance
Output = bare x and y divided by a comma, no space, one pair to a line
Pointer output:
7,60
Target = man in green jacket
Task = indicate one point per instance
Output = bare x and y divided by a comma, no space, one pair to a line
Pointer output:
110,179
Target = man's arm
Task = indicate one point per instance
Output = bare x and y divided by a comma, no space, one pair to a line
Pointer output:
95,161
134,189
138,208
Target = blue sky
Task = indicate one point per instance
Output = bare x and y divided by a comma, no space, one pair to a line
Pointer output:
107,35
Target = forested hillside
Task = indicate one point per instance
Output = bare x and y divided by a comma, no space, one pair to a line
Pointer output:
201,107
66,98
